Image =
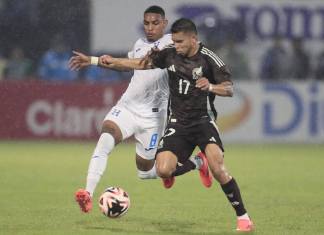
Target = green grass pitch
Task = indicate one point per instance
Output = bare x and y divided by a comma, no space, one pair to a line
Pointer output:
282,186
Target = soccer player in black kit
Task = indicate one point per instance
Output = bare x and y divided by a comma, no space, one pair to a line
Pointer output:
196,76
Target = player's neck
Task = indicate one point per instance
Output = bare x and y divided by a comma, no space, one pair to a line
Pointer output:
194,50
154,40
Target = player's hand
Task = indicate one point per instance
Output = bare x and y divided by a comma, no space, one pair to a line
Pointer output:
228,87
79,61
202,83
146,61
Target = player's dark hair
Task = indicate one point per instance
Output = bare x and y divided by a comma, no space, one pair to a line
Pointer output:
183,25
155,9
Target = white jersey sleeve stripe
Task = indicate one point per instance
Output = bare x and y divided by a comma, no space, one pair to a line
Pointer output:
213,58
212,55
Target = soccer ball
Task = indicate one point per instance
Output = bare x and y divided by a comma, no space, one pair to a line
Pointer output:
114,202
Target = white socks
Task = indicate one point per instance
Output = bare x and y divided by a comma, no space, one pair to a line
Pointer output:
150,174
98,161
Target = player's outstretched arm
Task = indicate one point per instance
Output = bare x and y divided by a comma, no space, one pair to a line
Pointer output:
125,63
80,60
223,89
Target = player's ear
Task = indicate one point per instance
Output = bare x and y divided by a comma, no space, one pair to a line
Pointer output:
194,38
165,23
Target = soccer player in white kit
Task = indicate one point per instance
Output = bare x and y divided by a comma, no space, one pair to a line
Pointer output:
141,111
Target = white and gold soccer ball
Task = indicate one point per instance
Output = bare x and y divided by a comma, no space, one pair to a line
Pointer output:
114,202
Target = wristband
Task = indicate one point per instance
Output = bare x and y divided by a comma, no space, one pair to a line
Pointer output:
94,60
210,88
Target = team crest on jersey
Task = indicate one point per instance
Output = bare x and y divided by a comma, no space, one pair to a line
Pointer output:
156,44
197,73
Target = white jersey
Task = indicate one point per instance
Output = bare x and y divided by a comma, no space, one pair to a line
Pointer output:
148,91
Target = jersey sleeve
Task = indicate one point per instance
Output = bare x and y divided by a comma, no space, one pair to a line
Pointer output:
131,53
159,58
220,72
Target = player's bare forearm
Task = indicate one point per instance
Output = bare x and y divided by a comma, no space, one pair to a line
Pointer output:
124,63
80,60
113,66
223,89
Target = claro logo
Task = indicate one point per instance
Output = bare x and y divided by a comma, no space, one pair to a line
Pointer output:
46,118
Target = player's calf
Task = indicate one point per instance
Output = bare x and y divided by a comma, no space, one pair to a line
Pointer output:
216,163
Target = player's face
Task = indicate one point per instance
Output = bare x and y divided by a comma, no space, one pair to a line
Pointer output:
185,43
154,25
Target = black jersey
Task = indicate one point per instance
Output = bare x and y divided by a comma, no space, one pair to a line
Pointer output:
188,103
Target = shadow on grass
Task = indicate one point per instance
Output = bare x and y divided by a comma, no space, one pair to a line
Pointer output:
163,226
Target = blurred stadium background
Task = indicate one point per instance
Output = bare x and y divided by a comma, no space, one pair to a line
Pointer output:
50,117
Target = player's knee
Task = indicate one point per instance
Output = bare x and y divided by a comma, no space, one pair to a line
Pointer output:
166,163
164,171
164,174
113,129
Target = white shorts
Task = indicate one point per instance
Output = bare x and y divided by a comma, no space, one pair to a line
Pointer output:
147,131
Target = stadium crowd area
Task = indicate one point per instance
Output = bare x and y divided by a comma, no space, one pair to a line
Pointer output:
36,45
277,64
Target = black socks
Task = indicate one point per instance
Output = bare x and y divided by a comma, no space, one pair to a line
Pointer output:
233,194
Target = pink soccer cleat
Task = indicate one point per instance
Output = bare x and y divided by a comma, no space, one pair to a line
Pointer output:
84,200
244,225
205,177
168,182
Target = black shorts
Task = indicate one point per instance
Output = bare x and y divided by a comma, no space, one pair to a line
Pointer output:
183,139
